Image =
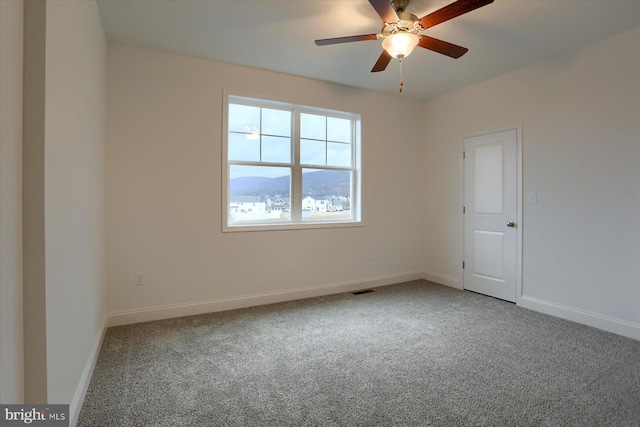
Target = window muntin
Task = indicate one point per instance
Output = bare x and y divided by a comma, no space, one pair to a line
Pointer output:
289,165
258,134
325,140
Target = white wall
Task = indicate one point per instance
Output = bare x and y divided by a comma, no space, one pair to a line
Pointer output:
580,115
64,192
164,189
11,339
75,191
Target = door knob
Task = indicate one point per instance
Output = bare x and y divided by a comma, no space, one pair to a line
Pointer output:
511,224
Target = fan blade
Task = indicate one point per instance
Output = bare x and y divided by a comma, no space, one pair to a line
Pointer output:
457,8
440,46
382,63
348,39
385,10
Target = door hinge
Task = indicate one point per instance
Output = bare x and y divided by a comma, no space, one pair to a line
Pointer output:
463,264
464,210
464,155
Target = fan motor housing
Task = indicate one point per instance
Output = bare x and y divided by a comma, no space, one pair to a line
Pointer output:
407,22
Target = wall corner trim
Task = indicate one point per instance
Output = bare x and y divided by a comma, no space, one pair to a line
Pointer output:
442,279
78,397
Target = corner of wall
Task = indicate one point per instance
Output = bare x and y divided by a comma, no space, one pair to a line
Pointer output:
75,405
11,299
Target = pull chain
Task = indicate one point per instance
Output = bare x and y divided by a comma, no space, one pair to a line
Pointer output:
401,79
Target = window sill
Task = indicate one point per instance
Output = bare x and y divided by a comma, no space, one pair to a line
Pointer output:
290,226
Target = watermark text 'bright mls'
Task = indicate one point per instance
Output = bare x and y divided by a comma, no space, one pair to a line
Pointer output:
37,415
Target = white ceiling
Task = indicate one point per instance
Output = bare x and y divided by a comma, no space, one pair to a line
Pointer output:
279,35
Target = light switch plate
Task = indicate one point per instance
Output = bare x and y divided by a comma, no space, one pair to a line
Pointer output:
532,198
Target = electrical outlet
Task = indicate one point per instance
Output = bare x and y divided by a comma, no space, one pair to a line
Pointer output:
139,278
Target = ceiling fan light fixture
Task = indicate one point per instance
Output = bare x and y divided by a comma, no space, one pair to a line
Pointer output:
400,45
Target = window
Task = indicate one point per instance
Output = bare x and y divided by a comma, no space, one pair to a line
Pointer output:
296,166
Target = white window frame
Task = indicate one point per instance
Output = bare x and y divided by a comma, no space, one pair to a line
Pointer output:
295,197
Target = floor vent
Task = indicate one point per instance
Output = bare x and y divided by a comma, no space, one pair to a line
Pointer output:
365,291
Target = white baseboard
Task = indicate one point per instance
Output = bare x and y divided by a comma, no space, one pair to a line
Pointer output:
221,304
442,279
78,398
609,324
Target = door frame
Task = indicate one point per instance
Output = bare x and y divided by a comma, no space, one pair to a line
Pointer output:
519,203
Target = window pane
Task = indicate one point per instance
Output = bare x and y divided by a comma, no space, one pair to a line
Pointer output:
313,126
326,194
276,122
273,146
338,154
338,129
275,149
242,147
312,152
244,118
259,193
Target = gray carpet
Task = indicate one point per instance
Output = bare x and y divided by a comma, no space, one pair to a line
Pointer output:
412,354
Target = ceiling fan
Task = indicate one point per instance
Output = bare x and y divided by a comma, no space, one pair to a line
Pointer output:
400,32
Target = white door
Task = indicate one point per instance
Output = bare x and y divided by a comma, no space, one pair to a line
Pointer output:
490,206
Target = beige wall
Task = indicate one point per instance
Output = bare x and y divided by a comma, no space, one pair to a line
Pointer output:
164,187
11,338
64,190
580,115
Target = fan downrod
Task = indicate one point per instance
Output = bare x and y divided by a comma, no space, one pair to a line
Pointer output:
400,5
